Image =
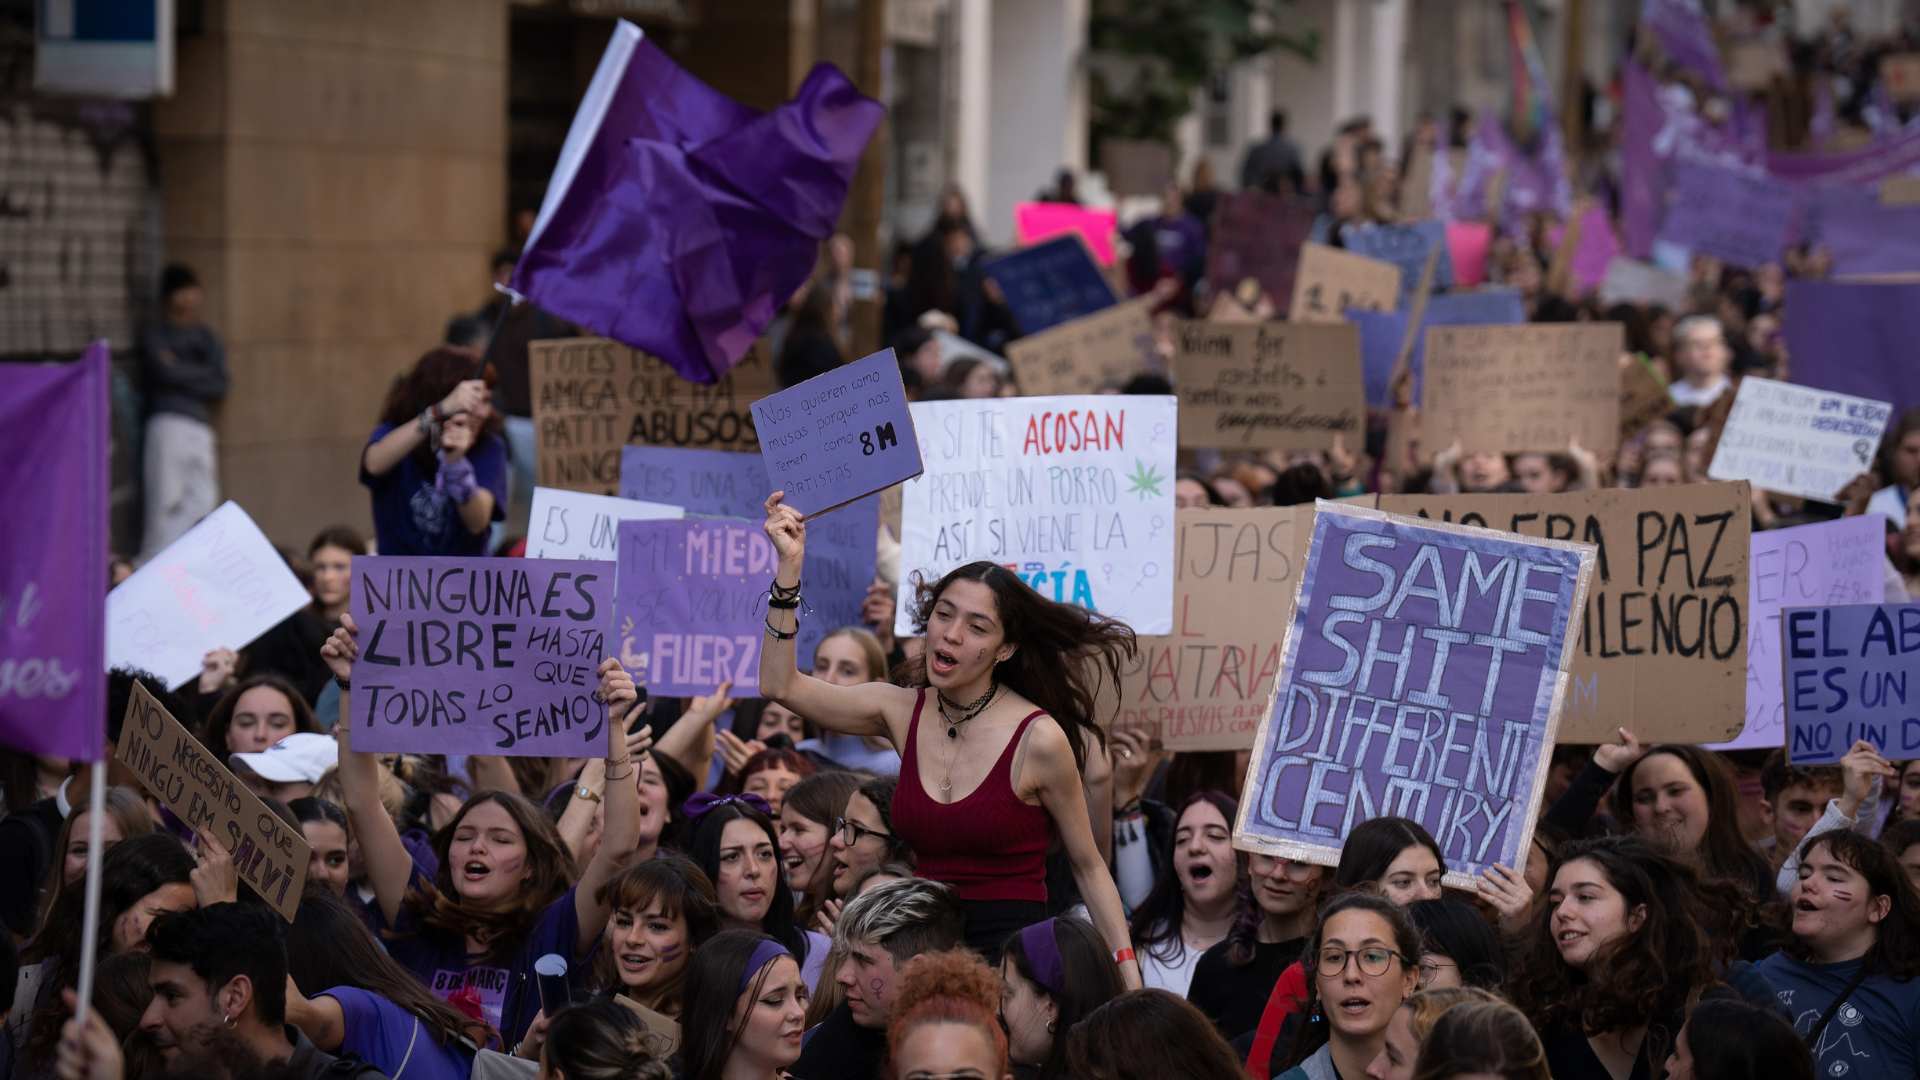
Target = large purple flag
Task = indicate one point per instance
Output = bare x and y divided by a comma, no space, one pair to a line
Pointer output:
677,220
1855,338
54,439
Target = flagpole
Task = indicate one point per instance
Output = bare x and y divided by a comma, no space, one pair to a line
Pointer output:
90,924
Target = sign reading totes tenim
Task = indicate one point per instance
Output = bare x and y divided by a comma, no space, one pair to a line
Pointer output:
1423,677
480,656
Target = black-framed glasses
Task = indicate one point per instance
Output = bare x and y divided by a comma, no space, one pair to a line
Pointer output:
851,832
1373,960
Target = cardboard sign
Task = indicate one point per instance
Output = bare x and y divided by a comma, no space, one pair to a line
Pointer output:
1643,396
839,436
1416,189
573,525
1831,562
189,780
1798,441
1073,494
1424,677
1259,236
1728,213
217,587
1331,281
663,1031
1291,386
1206,685
1517,388
1089,355
1900,72
696,590
1035,222
480,656
1631,282
1407,247
1136,166
1900,191
1849,676
840,547
592,396
1665,633
1050,283
1753,65
1383,334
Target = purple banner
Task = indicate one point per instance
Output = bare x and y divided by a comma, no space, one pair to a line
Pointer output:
1867,165
1382,332
839,436
1728,213
1832,562
1856,338
1863,235
1849,677
841,546
1681,29
54,440
692,604
480,656
1422,679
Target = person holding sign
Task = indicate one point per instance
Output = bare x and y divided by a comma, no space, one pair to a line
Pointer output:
504,895
1007,670
436,463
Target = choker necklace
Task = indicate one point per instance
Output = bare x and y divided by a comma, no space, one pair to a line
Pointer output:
967,712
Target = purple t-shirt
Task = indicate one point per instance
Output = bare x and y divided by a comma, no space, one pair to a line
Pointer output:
395,1041
411,518
507,994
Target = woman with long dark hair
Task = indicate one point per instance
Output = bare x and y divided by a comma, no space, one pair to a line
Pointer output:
1234,979
437,462
1629,937
253,715
864,837
807,821
734,843
1196,898
1055,973
1011,680
1484,1039
329,837
1729,1039
505,892
1148,1035
601,1040
353,997
1363,963
747,990
127,817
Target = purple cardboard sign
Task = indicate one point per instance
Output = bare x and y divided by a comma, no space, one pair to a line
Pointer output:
480,656
695,594
1383,332
1423,676
1831,562
54,441
1856,338
841,547
839,436
1848,676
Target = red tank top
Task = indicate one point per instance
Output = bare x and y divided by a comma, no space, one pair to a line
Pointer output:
990,845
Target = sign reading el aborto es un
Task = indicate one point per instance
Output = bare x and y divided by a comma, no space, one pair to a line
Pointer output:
1852,673
480,656
270,854
1664,640
1423,676
838,436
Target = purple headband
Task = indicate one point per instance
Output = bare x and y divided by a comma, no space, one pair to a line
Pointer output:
765,952
698,806
1043,956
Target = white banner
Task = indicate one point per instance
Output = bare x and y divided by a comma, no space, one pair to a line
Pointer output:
1797,440
1074,494
217,587
575,525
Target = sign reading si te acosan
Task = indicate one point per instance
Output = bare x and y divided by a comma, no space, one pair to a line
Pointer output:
1424,673
480,656
1073,494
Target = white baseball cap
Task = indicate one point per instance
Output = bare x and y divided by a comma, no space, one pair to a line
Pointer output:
302,757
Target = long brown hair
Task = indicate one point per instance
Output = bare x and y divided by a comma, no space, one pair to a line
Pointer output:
684,892
431,379
820,798
550,874
1896,939
127,810
1724,853
221,718
1146,1035
1059,649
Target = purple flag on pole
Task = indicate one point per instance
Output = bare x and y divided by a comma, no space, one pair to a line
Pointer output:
677,220
53,474
1855,338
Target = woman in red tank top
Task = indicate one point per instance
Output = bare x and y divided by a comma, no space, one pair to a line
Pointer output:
992,742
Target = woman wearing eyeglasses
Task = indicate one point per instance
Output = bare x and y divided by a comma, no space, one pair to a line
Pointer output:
1362,964
863,837
1457,946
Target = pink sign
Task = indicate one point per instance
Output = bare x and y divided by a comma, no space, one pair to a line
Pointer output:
1467,242
1037,221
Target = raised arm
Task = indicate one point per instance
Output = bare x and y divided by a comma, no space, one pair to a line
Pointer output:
380,458
1050,762
867,709
689,740
389,867
620,821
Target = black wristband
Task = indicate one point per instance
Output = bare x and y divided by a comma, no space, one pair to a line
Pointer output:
781,635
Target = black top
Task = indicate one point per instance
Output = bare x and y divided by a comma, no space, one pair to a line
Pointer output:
840,1049
291,650
1571,1057
26,849
185,368
1234,997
